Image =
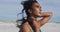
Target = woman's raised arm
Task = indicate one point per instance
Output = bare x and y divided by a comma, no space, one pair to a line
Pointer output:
46,16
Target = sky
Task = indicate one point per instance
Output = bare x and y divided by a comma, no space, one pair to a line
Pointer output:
10,8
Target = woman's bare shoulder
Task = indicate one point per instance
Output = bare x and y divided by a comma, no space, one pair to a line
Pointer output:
25,23
25,27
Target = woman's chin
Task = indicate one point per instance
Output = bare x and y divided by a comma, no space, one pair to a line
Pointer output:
38,15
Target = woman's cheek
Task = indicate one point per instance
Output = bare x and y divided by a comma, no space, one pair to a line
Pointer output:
36,13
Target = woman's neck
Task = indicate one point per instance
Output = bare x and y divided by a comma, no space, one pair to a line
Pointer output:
31,18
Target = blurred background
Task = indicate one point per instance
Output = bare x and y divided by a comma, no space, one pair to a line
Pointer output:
10,8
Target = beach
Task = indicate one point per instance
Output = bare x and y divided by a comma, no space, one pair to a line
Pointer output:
11,27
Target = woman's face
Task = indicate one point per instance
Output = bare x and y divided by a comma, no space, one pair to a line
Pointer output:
36,9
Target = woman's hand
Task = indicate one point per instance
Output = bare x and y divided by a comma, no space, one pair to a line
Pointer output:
34,25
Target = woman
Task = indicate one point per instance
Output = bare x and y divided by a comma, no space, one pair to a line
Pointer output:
33,10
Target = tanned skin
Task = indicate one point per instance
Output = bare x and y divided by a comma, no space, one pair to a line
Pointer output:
32,23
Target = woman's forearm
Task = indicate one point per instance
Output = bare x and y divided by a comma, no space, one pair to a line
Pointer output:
45,14
36,26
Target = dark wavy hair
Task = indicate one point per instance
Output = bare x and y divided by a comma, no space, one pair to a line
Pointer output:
26,6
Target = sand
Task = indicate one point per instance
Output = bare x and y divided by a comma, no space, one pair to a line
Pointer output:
11,27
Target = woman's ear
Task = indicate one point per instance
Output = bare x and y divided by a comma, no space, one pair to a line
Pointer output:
30,11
